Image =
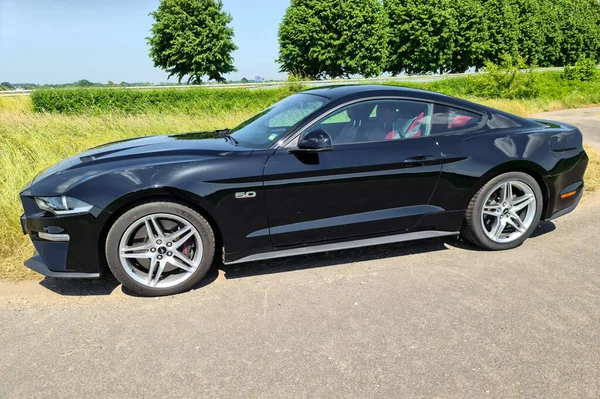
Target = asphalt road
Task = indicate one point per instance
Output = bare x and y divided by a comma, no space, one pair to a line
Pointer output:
434,319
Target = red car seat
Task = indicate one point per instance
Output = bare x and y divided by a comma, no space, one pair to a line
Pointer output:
458,121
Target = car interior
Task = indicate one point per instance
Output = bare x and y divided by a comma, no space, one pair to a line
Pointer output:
386,120
378,121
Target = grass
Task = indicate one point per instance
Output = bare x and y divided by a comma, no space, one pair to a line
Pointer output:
190,101
592,174
16,105
31,141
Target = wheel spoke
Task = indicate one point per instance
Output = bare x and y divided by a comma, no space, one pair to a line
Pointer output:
507,192
516,222
137,255
183,239
184,258
151,270
149,230
491,210
177,235
159,232
498,228
180,261
138,251
161,267
523,201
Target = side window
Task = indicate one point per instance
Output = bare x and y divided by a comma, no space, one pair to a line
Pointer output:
447,119
497,121
377,120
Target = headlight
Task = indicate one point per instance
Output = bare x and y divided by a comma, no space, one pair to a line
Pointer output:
62,205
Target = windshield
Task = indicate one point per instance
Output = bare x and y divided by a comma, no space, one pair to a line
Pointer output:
273,123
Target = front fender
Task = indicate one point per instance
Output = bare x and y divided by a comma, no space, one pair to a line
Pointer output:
211,185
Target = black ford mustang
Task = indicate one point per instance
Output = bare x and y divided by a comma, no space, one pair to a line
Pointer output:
321,170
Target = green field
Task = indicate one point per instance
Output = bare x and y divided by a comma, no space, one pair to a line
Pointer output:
32,140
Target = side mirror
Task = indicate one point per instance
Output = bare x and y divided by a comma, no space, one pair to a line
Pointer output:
315,141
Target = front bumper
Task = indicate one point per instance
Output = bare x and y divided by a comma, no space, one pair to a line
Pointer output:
66,246
37,264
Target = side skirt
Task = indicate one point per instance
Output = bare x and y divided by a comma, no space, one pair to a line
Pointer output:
365,242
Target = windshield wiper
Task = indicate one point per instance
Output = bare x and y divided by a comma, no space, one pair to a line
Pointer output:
225,134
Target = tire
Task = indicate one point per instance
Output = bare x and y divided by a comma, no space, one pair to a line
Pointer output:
144,263
489,208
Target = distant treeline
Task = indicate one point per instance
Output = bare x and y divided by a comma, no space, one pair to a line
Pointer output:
332,38
86,83
79,83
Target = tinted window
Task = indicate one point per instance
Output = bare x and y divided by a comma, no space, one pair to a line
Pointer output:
377,120
497,121
447,119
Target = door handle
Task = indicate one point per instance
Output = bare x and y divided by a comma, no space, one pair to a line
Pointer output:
420,160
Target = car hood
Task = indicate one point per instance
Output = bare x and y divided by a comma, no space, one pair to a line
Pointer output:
139,152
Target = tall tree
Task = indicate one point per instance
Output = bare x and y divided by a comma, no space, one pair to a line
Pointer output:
531,33
471,39
503,29
422,39
580,24
549,20
192,38
319,38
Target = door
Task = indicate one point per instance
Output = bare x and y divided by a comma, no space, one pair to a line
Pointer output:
377,179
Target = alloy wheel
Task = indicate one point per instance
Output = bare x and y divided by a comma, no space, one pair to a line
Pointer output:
160,250
508,211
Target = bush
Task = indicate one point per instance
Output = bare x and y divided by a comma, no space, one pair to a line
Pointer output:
511,79
585,70
505,80
193,101
295,83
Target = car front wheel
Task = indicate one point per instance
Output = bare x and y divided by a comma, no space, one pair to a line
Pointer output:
504,212
160,248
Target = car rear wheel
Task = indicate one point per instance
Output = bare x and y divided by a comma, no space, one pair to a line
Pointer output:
160,248
504,212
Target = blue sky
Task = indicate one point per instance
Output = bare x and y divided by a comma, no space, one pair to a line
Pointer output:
60,41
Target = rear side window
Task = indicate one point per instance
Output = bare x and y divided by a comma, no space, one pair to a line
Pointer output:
447,119
497,121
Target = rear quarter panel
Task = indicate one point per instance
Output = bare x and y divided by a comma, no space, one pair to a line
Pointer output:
473,158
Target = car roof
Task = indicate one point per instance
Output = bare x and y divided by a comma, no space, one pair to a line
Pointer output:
340,91
348,92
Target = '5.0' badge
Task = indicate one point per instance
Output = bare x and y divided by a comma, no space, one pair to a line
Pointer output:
247,194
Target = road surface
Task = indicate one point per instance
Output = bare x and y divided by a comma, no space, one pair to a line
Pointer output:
433,319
